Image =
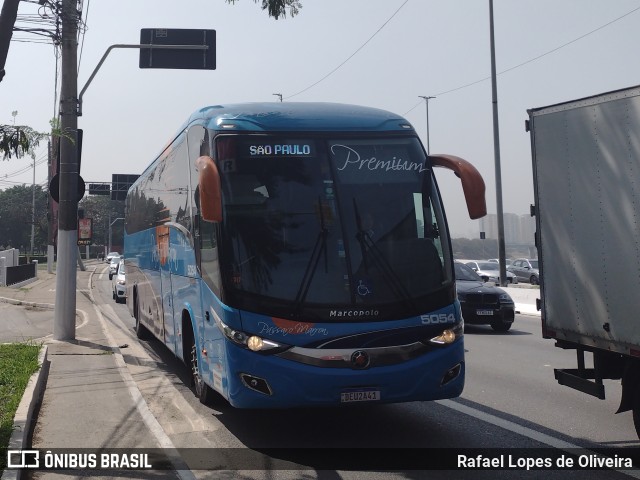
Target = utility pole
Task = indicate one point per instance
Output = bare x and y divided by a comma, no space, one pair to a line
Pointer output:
426,101
64,322
8,17
52,210
496,150
33,209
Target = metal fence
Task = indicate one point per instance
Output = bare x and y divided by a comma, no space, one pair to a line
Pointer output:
21,273
11,272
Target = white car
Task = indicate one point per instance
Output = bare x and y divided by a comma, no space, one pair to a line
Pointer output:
113,266
110,256
490,271
118,283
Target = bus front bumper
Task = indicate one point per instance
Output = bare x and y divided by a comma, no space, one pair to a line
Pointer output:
269,381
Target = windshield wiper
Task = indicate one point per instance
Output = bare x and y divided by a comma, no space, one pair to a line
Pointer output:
378,260
312,265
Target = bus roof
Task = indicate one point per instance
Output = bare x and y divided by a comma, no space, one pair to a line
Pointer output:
298,116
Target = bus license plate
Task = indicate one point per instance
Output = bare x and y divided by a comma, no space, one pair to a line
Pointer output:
484,312
359,396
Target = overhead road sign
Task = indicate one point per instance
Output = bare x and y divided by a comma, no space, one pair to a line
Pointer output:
190,49
120,184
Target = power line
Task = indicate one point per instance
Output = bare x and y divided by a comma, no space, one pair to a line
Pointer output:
24,169
531,59
84,31
350,56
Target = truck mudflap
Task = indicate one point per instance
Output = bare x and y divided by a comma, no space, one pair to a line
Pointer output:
606,365
580,379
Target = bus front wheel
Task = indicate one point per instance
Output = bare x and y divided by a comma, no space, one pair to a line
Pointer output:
200,388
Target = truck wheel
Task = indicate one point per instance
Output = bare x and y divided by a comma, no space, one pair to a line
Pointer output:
636,410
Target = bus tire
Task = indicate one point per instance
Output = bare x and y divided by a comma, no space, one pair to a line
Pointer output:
141,331
200,388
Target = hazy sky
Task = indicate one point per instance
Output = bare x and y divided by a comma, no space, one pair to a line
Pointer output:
428,48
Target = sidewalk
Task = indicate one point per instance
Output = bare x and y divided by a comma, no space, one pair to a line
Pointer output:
524,297
88,397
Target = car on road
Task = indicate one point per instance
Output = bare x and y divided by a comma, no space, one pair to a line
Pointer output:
482,304
118,283
113,266
110,256
507,261
489,271
526,270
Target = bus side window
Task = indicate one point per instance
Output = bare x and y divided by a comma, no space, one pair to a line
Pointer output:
204,232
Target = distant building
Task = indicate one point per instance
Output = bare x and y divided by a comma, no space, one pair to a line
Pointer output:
518,229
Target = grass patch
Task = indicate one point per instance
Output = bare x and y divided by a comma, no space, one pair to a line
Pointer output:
18,361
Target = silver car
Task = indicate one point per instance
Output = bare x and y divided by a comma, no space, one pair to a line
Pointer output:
490,271
118,283
526,270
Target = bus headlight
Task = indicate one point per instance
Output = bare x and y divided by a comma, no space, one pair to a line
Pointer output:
251,342
255,343
449,335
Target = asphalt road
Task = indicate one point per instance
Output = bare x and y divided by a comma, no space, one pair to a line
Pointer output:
511,400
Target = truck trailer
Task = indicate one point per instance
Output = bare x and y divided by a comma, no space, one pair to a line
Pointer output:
586,172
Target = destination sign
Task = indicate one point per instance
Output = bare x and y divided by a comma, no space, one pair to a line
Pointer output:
280,148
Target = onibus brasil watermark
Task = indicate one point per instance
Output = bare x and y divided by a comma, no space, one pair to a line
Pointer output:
49,460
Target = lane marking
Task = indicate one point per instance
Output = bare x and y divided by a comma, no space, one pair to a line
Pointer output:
526,432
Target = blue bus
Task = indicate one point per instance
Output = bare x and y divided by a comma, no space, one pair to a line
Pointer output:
297,254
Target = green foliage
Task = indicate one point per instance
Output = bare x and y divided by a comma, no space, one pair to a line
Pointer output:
278,8
18,140
103,211
17,363
15,217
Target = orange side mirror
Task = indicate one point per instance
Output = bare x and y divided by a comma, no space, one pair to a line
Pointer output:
472,182
210,196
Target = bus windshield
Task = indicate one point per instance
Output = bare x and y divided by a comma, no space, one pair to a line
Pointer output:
349,224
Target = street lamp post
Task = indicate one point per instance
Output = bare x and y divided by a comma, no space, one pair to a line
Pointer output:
110,225
496,150
426,100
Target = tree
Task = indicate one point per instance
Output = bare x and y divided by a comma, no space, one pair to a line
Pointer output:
103,211
278,8
18,140
15,217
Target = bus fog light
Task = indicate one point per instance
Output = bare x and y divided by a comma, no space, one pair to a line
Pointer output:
255,343
451,374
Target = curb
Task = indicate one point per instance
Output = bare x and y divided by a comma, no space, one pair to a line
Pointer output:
22,420
13,301
527,309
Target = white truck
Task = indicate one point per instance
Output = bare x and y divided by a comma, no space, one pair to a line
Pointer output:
586,169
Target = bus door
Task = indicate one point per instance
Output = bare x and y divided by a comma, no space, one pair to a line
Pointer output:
165,250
